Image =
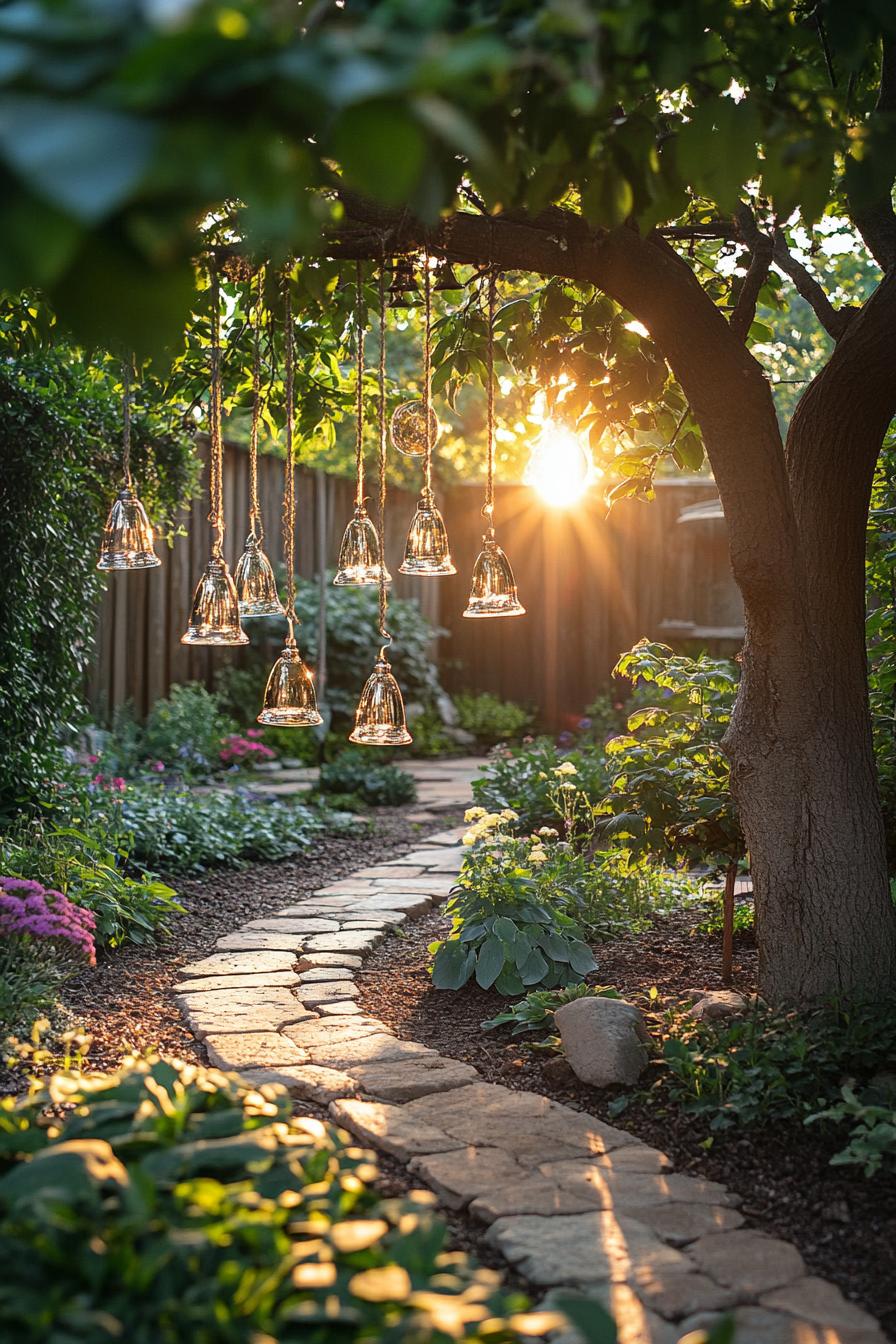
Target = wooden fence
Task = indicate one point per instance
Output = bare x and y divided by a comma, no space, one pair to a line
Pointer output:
592,585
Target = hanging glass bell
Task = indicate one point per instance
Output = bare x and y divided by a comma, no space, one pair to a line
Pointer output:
380,718
215,615
359,554
127,537
493,592
289,699
407,428
444,277
427,552
256,586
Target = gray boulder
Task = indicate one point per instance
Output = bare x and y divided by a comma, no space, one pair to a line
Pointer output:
714,1005
603,1040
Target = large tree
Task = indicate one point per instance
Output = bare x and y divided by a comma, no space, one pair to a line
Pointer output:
653,160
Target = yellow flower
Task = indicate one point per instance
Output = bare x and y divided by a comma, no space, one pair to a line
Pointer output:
474,813
509,815
548,833
538,856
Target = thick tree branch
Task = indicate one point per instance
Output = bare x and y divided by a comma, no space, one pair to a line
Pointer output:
834,320
725,386
761,250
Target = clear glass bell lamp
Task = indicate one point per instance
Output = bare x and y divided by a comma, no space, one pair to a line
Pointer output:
256,586
215,614
427,553
493,591
128,541
380,718
359,554
407,428
289,698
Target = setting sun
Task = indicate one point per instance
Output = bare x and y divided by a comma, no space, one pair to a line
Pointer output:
560,468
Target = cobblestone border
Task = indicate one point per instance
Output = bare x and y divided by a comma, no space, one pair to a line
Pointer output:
568,1200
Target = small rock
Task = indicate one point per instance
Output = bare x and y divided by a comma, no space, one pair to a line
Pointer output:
603,1040
717,1004
556,1071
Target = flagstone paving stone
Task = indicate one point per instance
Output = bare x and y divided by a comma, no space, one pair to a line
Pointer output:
569,1201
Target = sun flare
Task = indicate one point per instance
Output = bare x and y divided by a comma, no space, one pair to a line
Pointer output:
560,468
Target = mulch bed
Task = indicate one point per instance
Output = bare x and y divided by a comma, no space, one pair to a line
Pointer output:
126,1002
844,1225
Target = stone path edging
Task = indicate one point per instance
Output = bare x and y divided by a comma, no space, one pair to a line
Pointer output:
568,1200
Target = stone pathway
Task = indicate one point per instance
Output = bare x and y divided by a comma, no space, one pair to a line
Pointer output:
569,1201
441,785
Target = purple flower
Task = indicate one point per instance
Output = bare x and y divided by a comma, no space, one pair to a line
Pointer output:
48,921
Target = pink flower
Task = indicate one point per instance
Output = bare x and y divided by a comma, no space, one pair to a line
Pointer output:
92,760
158,766
119,783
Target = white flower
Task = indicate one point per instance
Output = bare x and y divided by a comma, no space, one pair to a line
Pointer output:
567,768
538,856
548,833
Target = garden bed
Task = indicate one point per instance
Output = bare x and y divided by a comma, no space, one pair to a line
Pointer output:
844,1225
125,1003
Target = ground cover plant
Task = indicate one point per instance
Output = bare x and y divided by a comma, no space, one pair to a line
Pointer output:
360,774
175,1203
523,778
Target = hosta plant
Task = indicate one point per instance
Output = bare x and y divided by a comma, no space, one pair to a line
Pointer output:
536,1011
514,926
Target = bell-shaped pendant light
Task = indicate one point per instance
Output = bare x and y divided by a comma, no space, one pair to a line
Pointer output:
493,591
289,698
380,718
256,586
359,554
407,428
215,614
444,278
404,291
127,537
427,551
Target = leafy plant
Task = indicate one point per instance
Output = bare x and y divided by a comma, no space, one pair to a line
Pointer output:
536,1011
186,731
489,718
430,735
177,830
512,926
60,431
771,1065
80,846
872,1129
524,779
356,773
173,1202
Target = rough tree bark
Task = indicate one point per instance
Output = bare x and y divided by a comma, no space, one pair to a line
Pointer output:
800,741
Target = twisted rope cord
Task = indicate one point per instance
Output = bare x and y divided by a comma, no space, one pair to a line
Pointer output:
381,375
427,381
289,483
360,319
489,509
256,526
126,415
216,444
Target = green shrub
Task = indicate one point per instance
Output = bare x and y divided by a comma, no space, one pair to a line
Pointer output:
430,735
614,896
179,830
185,731
771,1065
491,719
80,845
536,1011
60,435
356,772
175,1204
512,926
524,779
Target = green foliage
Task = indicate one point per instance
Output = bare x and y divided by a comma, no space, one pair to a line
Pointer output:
536,1011
430,736
872,1129
183,735
615,896
881,633
491,719
359,773
175,1203
670,794
80,844
513,925
523,778
771,1066
60,434
179,830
